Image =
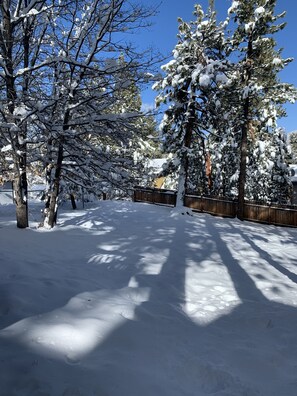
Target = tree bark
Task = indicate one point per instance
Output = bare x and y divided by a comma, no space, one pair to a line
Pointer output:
51,208
244,134
18,140
243,162
73,203
21,200
52,212
184,165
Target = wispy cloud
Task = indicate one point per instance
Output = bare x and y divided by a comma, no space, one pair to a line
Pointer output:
146,107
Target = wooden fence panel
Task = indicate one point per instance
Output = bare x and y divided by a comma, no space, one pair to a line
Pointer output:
256,212
285,216
194,202
153,195
263,214
211,205
271,214
277,215
144,195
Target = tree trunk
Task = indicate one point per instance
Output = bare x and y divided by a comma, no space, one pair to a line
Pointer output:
22,215
184,160
73,203
243,160
244,134
51,208
20,185
184,165
182,181
20,193
18,137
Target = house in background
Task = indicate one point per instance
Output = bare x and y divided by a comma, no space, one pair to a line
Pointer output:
155,167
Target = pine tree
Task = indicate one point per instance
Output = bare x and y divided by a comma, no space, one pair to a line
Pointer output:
187,89
292,140
261,94
281,188
224,156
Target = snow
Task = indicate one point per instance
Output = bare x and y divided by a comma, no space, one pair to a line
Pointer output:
249,27
259,12
293,169
277,61
126,299
222,78
6,148
204,80
234,6
157,164
262,146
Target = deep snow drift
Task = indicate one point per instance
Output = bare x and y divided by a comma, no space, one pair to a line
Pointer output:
126,299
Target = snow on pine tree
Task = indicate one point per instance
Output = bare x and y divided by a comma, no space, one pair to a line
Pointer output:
194,73
260,92
281,186
142,143
292,140
268,177
267,171
223,143
259,168
224,155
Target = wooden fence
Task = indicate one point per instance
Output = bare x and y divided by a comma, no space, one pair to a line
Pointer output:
268,214
155,195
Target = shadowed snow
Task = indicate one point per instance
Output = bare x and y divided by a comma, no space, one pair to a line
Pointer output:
128,299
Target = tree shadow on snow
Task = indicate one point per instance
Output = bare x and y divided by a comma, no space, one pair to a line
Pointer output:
161,348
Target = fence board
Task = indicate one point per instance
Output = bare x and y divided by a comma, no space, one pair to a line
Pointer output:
255,212
194,202
154,195
216,206
277,215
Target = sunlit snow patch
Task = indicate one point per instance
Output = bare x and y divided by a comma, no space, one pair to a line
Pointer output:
73,331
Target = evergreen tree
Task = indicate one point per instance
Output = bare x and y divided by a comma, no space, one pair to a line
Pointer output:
228,90
292,140
268,179
260,93
281,186
224,158
187,89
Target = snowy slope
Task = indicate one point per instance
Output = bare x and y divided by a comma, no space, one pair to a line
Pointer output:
126,299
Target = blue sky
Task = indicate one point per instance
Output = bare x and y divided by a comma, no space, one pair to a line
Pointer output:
163,33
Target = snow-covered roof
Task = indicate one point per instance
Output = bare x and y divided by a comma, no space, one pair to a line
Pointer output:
157,163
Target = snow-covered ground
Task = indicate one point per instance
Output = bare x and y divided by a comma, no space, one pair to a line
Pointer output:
126,299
